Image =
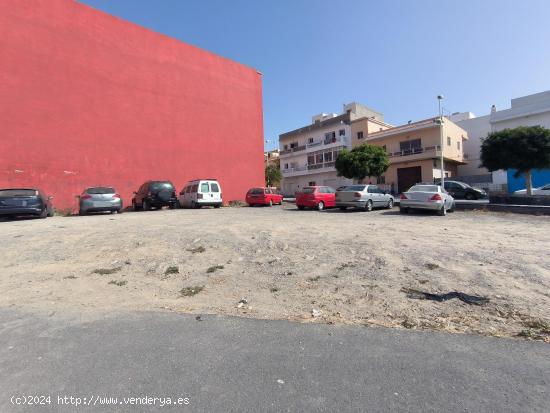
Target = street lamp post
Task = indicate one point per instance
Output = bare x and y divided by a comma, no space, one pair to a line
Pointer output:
439,99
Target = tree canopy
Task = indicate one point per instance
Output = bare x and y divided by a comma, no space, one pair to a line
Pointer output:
523,148
272,174
362,161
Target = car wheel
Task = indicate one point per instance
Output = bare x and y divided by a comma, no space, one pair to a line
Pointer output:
469,196
270,203
343,208
113,211
145,205
442,212
51,213
44,213
453,206
119,211
320,206
403,210
134,205
217,206
301,207
368,206
390,204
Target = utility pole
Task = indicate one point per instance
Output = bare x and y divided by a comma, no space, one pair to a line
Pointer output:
439,99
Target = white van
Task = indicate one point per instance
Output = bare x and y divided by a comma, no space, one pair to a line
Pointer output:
201,192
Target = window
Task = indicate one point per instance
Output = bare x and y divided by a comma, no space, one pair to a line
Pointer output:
458,145
195,188
286,166
285,147
384,147
328,156
294,145
312,183
214,187
310,140
311,159
448,140
342,132
381,180
360,135
204,187
412,146
100,190
330,137
319,158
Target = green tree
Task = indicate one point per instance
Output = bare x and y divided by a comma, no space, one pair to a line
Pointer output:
523,148
273,174
362,161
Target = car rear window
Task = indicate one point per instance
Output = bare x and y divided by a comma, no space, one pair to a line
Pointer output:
256,191
424,188
205,188
158,186
214,187
354,188
18,192
100,190
308,190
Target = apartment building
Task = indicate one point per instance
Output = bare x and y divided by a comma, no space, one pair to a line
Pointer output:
271,157
414,150
530,110
307,154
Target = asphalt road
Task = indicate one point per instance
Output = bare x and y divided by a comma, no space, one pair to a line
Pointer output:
242,365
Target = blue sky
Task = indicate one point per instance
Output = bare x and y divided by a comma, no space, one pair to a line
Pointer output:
394,56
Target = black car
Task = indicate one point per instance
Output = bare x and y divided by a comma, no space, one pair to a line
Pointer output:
461,190
24,201
155,194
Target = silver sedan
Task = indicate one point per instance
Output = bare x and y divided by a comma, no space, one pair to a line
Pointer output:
426,196
99,199
365,197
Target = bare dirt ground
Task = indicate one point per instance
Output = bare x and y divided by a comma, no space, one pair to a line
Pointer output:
332,267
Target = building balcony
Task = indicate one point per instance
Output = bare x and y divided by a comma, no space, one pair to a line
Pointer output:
285,152
308,169
414,154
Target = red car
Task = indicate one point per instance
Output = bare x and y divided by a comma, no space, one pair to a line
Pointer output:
263,196
318,197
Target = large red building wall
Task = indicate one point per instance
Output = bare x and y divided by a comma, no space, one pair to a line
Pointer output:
88,99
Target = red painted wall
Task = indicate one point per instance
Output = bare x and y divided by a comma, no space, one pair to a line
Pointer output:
88,99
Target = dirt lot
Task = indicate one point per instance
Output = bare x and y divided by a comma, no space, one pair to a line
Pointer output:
331,267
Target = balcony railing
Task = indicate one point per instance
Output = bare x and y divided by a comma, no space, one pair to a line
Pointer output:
292,170
320,165
291,150
414,151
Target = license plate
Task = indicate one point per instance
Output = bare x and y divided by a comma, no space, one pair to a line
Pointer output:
101,204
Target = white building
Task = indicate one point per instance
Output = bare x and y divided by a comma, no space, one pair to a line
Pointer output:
307,154
531,110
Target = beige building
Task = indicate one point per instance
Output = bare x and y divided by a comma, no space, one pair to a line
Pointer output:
414,149
271,157
307,154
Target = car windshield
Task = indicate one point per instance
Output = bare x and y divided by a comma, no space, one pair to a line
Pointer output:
354,188
18,192
308,190
100,190
157,186
424,188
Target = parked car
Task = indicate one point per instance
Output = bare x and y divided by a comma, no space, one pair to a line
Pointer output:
541,190
99,199
155,194
201,192
263,196
317,197
365,197
427,196
25,201
461,190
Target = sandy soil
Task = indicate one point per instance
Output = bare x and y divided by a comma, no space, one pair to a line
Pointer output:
330,267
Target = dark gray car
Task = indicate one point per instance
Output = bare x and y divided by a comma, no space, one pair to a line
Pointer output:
25,201
365,197
99,199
